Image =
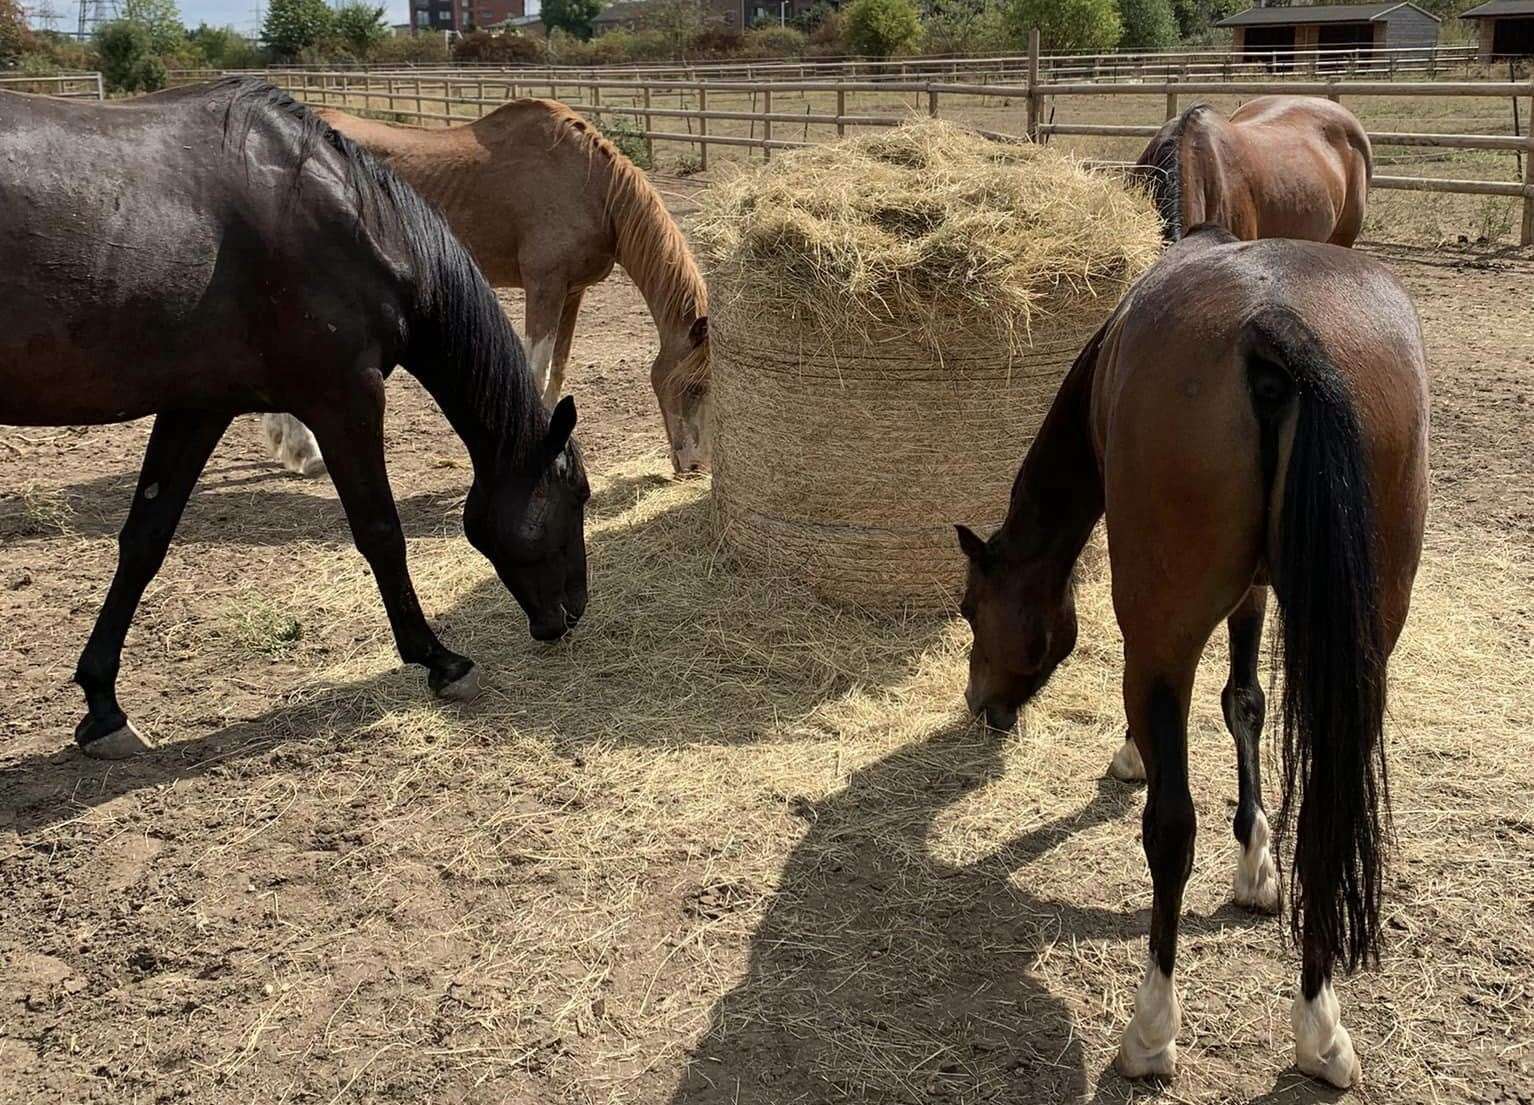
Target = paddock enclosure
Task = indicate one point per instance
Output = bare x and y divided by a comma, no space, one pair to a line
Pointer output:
726,843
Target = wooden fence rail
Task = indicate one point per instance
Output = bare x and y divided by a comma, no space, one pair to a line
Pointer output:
425,98
74,86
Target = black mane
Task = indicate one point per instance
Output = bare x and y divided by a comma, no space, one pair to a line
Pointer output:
455,312
1161,167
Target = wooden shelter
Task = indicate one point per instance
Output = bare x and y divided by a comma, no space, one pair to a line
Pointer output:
1505,28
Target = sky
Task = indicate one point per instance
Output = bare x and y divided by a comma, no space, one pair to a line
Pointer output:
243,15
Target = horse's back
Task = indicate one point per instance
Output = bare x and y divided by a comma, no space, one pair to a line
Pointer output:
1175,420
142,241
1308,163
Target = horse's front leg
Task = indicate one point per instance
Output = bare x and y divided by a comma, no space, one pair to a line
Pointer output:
179,447
350,432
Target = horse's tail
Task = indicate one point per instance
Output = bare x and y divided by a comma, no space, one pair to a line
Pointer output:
1325,574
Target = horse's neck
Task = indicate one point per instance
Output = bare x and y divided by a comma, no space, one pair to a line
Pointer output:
654,254
1058,495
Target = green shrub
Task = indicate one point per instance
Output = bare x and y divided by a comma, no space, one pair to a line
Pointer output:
963,27
411,48
881,28
773,41
571,16
15,38
628,135
498,49
1064,25
128,61
1148,25
225,48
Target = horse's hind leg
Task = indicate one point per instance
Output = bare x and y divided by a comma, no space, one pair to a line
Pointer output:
351,433
293,446
1256,882
179,447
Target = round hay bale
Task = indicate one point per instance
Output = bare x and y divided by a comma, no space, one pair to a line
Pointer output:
890,317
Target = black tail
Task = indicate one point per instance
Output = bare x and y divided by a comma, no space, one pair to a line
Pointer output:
1333,644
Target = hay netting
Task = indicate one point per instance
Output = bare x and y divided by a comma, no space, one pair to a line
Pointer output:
890,319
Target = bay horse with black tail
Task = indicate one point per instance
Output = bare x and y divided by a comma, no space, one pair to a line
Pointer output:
1253,414
219,250
1278,167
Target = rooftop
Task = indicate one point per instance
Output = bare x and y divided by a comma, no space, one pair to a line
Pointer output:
1323,13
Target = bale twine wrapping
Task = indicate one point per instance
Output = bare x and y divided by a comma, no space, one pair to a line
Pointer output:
890,319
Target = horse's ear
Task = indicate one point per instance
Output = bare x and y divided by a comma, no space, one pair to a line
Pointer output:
699,331
561,426
971,543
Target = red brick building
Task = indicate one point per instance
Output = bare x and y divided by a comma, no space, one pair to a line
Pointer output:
466,15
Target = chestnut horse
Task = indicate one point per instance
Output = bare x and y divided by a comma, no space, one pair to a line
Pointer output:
220,250
1254,413
1279,167
545,203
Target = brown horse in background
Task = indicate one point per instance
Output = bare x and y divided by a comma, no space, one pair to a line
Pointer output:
1279,167
545,203
1253,414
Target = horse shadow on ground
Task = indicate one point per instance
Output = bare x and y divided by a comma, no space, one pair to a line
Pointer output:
676,648
251,503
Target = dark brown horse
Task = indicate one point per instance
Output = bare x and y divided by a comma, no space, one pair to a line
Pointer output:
1279,167
218,251
1252,414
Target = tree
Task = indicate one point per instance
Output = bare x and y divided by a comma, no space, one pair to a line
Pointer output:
1195,17
678,22
571,16
224,47
128,60
1065,25
291,25
14,36
360,26
161,18
1148,24
879,28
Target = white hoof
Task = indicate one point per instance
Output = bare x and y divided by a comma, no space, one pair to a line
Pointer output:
463,689
1256,882
1149,1046
293,445
122,744
1127,765
1322,1047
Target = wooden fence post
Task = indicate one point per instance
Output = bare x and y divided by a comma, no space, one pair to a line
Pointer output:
932,102
767,124
1033,85
1526,236
1171,96
841,111
649,125
703,130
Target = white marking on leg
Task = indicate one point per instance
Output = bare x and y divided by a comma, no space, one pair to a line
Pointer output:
1256,883
1127,764
1322,1047
1149,1046
541,357
152,491
297,449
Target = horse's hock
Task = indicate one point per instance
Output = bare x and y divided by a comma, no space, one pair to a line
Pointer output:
890,318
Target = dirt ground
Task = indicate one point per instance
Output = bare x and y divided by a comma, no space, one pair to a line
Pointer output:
690,856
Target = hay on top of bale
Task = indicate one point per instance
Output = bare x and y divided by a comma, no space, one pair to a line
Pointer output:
931,227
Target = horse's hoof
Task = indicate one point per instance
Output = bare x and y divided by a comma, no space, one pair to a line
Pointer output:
1256,883
314,466
1127,766
1134,1065
463,689
1149,1046
120,744
1322,1047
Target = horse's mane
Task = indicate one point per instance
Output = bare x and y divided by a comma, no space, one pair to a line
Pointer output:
1161,166
650,246
455,312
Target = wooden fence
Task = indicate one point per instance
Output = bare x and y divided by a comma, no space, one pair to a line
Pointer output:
78,86
1223,64
442,97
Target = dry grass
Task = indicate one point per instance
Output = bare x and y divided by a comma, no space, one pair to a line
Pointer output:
928,226
728,825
